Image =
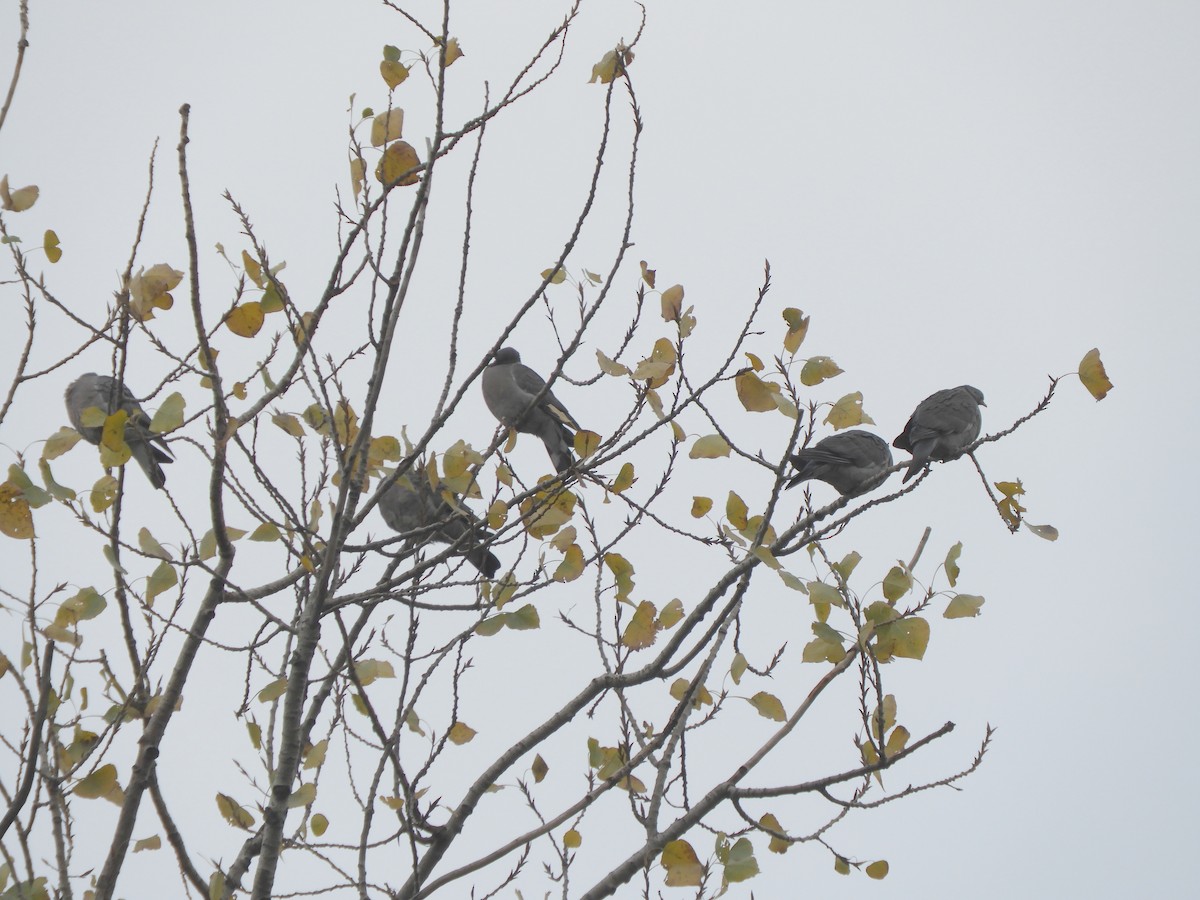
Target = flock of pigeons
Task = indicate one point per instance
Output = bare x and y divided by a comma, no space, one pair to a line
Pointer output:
943,425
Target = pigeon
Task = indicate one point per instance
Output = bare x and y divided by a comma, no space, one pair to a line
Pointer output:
510,389
410,504
109,395
851,462
942,426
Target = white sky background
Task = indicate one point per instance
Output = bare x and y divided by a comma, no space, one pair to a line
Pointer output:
955,193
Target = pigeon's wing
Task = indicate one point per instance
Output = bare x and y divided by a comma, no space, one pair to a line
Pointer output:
530,384
106,394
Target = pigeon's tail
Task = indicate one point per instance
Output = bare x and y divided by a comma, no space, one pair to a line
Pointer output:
484,560
558,443
150,458
920,459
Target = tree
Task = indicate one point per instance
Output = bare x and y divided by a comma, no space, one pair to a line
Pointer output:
358,653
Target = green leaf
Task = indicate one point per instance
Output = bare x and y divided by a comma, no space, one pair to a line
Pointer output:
169,415
896,584
740,864
963,606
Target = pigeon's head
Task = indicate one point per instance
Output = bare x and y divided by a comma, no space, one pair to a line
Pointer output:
506,355
974,392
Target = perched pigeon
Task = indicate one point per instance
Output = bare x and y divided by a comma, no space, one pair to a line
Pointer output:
509,389
109,395
410,504
942,426
852,462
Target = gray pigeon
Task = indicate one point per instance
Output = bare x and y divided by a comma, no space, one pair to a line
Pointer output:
509,389
410,504
942,426
851,462
109,395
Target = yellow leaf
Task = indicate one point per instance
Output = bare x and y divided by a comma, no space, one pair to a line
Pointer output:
398,165
319,824
572,839
453,51
736,511
304,795
273,691
265,532
797,324
16,519
625,479
612,64
641,631
555,276
897,741
682,865
586,443
20,199
233,813
113,449
671,613
906,638
963,606
647,275
101,783
150,843
358,175
710,446
288,423
700,507
818,369
951,563
51,247
461,733
755,362
102,494
768,706
539,769
841,865
246,319
60,442
738,668
754,393
367,670
253,269
571,566
622,571
777,845
672,303
820,592
387,126
878,869
1093,376
658,366
394,72
848,412
608,367
314,757
680,688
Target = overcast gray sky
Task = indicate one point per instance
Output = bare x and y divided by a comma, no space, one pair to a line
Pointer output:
956,193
